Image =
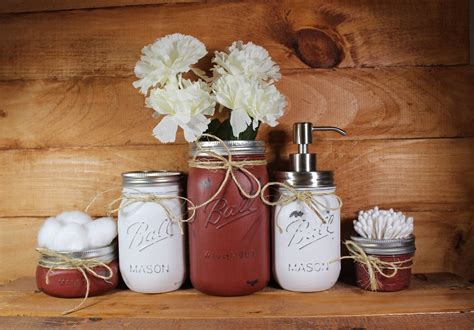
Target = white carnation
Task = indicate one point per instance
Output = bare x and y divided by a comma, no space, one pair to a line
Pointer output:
164,59
249,101
185,106
247,59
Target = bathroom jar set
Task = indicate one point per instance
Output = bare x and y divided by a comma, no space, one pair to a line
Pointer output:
228,233
229,220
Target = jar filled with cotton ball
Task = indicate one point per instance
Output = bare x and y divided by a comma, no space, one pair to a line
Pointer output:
150,230
384,251
78,255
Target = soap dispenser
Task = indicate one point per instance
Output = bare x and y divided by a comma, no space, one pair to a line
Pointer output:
306,220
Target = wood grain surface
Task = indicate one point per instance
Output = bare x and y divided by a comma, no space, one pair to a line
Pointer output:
298,34
17,247
411,175
457,320
394,74
434,293
368,103
25,6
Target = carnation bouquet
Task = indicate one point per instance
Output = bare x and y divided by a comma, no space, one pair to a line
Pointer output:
241,84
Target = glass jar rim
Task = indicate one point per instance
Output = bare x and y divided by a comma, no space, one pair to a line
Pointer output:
104,254
235,147
386,247
145,178
315,179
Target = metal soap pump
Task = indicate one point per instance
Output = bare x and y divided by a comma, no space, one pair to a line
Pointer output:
304,161
306,229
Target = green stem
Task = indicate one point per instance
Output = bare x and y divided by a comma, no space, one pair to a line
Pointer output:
223,130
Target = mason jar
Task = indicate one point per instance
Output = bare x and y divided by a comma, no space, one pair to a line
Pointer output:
69,282
229,244
307,245
400,252
151,245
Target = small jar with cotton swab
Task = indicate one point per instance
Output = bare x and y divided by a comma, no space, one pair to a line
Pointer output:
384,250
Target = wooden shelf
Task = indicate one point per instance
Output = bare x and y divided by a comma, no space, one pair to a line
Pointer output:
432,300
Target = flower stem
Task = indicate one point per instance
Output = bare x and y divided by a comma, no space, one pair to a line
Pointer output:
223,130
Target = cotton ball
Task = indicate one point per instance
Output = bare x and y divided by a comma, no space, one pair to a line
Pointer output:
74,217
70,237
101,232
47,232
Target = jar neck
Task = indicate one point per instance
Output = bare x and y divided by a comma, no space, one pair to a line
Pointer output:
53,261
235,157
223,148
398,255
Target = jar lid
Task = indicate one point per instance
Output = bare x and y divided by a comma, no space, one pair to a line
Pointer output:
246,147
104,254
316,179
386,246
141,178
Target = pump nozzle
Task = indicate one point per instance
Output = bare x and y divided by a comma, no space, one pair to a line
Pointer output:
329,128
304,161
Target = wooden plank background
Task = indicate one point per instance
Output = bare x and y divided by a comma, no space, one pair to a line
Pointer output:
394,74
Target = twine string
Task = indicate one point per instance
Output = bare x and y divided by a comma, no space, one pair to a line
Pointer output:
306,197
84,266
141,197
219,162
130,199
374,265
99,194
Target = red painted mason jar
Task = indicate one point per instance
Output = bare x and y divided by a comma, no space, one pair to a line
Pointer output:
229,238
398,251
70,282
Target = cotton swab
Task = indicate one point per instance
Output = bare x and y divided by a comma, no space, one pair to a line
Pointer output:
383,224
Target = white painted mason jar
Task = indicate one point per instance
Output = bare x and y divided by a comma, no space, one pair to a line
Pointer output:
307,250
151,246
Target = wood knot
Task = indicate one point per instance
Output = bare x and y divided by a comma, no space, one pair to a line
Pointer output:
459,241
318,49
421,277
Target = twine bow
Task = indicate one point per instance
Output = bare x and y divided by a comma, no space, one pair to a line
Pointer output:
307,197
219,162
374,265
141,197
152,198
85,266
